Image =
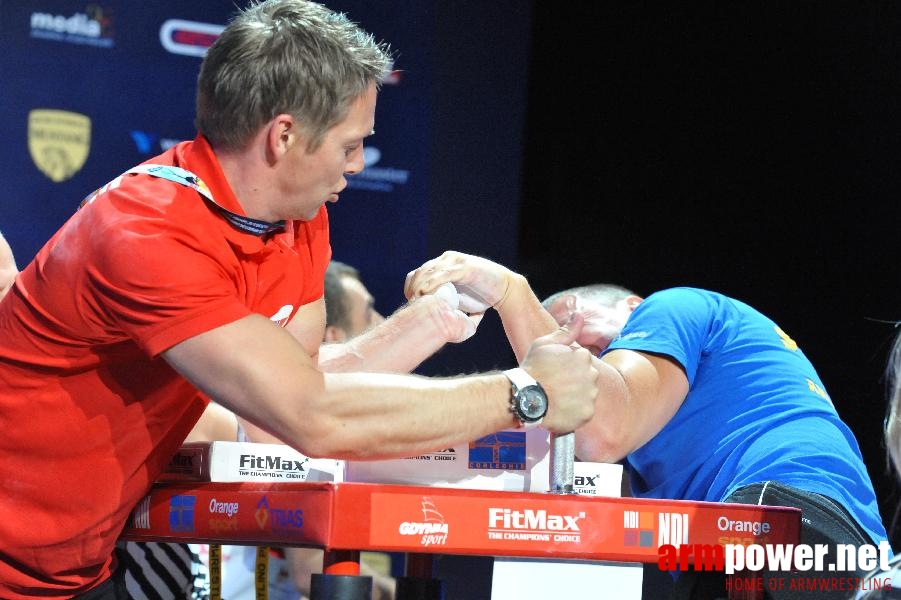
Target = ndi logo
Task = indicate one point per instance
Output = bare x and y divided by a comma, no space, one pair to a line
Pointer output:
672,529
638,528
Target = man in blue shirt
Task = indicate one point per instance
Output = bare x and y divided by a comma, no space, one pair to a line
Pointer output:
703,397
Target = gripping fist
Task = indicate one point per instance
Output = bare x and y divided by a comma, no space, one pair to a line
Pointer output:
441,308
567,373
479,282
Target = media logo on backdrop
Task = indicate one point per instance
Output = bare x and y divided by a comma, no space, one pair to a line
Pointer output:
188,38
59,142
377,179
93,27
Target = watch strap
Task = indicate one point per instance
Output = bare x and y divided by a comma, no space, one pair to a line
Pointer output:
520,378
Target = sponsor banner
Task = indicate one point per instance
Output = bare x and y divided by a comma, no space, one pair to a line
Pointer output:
214,512
376,177
597,479
248,461
570,526
452,521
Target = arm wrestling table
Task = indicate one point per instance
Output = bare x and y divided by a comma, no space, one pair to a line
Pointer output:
346,518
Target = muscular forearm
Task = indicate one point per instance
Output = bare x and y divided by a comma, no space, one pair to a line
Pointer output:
216,423
605,437
398,345
404,414
263,374
522,315
638,394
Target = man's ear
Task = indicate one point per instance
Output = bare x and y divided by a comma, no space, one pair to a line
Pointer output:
563,307
633,301
334,334
281,135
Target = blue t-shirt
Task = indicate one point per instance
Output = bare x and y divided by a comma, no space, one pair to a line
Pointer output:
756,409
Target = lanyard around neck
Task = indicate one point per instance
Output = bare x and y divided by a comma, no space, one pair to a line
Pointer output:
186,178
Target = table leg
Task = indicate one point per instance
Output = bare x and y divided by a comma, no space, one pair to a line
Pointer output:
340,578
419,582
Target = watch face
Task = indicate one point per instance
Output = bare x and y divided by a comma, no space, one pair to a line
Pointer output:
532,403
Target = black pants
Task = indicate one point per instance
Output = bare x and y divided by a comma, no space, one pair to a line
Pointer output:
111,589
823,521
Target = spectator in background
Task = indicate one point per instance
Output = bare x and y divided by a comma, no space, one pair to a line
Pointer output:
883,584
349,307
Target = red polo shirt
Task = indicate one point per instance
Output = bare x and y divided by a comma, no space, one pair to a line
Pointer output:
89,413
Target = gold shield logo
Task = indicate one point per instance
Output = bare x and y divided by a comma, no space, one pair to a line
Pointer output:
58,141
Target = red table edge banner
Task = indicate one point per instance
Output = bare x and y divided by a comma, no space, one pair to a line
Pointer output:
400,518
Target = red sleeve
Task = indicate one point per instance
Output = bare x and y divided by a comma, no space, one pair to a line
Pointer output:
161,283
161,272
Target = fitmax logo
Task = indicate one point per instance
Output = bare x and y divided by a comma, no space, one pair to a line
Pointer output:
271,463
505,518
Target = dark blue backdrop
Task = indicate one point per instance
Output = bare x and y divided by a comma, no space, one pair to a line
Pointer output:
90,89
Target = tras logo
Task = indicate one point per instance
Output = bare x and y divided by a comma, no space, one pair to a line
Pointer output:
58,141
432,529
272,518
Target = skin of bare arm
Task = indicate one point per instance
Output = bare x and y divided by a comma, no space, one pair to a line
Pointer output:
216,423
523,317
399,344
638,393
262,373
396,345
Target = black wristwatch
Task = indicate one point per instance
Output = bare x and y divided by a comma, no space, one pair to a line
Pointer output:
529,400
